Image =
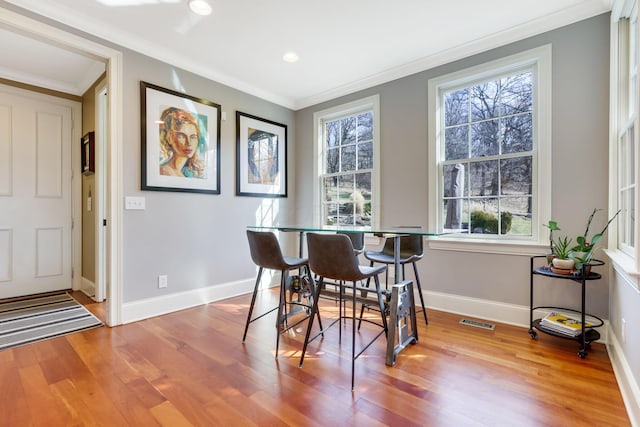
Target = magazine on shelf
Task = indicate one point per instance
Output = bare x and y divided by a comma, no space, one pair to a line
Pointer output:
559,330
563,324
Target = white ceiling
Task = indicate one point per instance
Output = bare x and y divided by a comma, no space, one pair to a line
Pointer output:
45,65
344,45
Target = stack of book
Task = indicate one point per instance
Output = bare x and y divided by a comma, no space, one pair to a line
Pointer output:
563,324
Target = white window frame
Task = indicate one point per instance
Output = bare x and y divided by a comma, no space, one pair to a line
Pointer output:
371,103
540,61
625,258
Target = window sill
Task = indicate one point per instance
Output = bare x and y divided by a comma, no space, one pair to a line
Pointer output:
623,263
513,247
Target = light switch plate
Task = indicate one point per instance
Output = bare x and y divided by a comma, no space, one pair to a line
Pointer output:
134,203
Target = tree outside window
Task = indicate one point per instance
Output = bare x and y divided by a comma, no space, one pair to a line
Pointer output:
487,169
347,170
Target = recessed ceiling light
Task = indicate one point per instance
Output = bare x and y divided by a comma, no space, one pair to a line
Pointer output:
200,7
290,57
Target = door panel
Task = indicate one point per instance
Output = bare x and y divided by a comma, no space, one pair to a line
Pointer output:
35,195
5,150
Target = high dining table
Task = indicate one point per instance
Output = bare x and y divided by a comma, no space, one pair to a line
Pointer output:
402,318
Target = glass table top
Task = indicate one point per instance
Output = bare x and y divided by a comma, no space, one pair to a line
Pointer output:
387,230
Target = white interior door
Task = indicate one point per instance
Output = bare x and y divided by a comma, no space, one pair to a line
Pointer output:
35,193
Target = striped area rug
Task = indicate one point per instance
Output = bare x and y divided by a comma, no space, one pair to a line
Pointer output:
36,319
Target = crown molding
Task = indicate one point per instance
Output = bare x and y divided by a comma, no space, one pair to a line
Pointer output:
70,17
534,27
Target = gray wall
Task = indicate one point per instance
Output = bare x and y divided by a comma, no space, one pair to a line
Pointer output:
580,164
197,240
625,300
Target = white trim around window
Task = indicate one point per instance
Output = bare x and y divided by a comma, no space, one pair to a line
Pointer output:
539,59
371,103
623,122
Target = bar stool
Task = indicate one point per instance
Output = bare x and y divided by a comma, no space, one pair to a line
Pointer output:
411,251
266,254
357,240
331,256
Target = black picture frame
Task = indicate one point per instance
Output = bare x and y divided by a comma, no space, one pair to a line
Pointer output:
88,151
261,157
168,164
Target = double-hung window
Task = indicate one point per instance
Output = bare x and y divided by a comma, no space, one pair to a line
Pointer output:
489,147
346,166
624,133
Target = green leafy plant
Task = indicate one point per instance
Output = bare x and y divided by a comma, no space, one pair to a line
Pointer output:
562,247
582,252
586,245
552,226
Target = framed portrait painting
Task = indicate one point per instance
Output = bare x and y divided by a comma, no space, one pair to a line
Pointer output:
261,157
180,141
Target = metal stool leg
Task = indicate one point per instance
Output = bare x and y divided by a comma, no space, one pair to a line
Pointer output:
253,301
280,318
353,338
424,309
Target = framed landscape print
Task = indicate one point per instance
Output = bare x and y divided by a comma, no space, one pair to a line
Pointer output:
261,157
180,141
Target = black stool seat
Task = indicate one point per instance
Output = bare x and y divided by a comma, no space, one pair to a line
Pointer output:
266,254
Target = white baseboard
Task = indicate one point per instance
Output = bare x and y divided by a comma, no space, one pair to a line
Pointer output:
510,314
628,386
151,307
488,310
88,287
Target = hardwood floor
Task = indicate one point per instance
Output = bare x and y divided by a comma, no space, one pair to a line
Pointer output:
191,368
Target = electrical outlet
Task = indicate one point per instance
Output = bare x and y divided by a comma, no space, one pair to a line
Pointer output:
623,330
163,281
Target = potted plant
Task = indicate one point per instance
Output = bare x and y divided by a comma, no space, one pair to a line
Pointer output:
562,249
583,251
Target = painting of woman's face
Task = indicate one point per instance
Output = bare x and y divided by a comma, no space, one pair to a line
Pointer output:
184,140
180,141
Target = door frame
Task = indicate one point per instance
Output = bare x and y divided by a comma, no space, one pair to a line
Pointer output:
101,121
114,141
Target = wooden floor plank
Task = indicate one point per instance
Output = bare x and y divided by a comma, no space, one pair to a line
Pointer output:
191,368
168,416
44,408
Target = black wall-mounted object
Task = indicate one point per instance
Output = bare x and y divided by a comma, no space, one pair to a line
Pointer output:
88,154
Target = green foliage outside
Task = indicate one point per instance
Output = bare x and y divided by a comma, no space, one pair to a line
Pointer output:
488,223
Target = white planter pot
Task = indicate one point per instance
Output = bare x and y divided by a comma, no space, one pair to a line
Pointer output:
565,264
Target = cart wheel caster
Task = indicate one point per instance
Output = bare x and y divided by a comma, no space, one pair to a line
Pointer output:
533,334
582,354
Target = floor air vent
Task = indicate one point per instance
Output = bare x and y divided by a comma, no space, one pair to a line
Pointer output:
477,324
